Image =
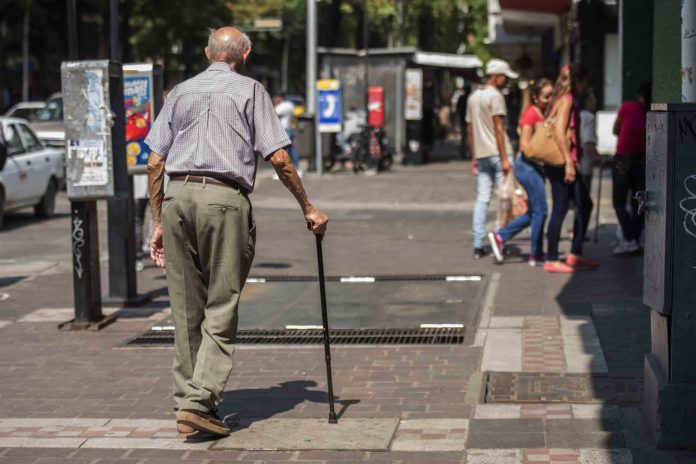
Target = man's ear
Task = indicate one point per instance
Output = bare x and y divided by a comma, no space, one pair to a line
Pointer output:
207,53
246,55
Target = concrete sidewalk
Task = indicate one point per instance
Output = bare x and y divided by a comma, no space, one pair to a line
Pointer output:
554,373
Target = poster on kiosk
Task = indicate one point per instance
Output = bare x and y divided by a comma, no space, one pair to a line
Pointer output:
375,107
138,95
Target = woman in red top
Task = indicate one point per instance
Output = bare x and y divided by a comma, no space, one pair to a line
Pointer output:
529,174
628,169
570,85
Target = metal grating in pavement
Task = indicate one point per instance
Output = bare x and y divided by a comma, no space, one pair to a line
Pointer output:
376,278
528,387
420,336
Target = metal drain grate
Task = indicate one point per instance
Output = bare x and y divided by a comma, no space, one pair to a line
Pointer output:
532,387
421,336
375,278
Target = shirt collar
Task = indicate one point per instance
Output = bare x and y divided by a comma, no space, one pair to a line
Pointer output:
220,66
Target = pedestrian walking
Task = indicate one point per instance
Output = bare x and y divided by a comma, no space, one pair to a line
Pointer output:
489,145
207,139
571,84
588,135
628,168
459,108
530,175
143,223
285,109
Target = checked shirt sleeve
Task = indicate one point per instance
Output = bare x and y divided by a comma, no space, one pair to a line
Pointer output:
161,135
269,134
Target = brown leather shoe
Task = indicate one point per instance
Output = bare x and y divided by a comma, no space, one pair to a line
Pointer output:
183,428
199,421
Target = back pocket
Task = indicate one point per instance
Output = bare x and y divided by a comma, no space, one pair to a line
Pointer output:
221,209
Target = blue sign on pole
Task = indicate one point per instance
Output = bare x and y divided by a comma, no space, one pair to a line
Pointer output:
329,99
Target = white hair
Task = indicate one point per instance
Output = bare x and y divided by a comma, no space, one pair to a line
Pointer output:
229,51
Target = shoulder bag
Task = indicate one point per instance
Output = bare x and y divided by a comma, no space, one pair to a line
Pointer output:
542,147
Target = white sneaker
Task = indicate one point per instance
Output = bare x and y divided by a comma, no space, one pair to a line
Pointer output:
626,247
275,176
139,265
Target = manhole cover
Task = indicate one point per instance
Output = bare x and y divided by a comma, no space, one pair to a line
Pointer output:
423,336
522,387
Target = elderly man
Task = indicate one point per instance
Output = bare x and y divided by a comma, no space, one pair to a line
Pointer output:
207,139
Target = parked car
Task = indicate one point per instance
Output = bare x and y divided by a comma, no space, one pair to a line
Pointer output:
26,110
49,122
30,172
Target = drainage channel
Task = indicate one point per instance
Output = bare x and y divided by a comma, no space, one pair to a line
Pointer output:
363,310
420,336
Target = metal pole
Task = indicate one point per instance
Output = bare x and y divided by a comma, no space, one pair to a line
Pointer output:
312,106
311,57
325,324
599,201
284,65
72,30
366,71
123,285
84,234
688,50
114,45
25,52
400,15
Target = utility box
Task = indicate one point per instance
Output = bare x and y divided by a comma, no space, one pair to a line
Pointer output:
94,130
669,203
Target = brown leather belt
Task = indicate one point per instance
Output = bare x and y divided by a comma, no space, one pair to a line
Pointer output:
209,180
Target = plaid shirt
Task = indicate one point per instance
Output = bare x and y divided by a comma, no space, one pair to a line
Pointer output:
216,124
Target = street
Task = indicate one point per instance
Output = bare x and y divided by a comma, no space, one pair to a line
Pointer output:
87,397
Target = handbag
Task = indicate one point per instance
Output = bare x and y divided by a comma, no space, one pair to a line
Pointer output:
543,148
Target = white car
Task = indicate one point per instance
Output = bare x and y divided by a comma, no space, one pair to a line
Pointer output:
30,173
26,110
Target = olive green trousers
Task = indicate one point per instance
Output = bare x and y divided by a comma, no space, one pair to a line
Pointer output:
209,240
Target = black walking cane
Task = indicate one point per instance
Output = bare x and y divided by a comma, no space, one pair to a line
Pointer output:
599,201
325,322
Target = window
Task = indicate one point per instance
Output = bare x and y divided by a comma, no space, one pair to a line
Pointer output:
53,110
14,143
31,143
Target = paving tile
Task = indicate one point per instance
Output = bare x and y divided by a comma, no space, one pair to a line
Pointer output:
506,322
603,456
141,424
596,411
585,433
431,435
49,315
497,411
32,442
312,434
583,350
506,433
486,456
503,351
152,443
51,422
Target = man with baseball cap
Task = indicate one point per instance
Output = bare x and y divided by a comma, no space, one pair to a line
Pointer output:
489,144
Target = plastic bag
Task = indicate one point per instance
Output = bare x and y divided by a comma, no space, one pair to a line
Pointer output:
512,200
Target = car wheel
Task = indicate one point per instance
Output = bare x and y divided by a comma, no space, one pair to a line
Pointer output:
47,206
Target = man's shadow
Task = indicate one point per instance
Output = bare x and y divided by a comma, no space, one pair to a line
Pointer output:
258,404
